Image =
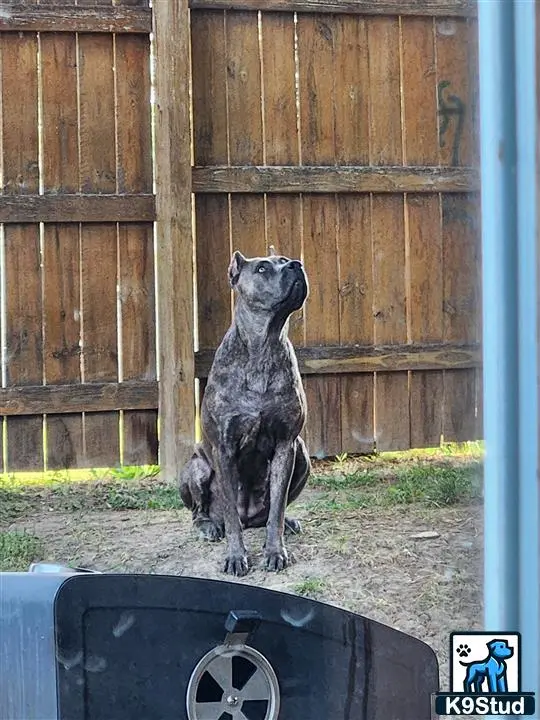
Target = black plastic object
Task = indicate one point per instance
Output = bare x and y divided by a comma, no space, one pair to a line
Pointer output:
242,621
126,646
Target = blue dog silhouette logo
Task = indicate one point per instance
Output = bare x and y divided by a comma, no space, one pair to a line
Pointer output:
488,674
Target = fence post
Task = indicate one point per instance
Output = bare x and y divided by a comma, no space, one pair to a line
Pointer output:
174,234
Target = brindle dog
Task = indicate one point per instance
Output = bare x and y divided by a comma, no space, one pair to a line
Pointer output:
252,462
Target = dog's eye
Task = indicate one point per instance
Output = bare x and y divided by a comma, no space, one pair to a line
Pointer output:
261,269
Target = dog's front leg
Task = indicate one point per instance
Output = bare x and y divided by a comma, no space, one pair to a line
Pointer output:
281,470
236,562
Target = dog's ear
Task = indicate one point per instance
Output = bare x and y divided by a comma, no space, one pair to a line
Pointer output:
237,263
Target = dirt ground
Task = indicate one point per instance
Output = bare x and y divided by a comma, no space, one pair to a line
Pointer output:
366,560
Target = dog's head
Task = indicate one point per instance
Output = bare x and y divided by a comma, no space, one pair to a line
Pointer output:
273,284
499,649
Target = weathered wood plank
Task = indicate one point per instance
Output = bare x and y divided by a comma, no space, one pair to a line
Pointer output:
316,89
278,75
73,207
136,243
21,267
335,359
21,17
425,311
444,8
244,107
76,398
209,70
61,243
98,174
175,240
385,136
356,318
332,179
284,232
392,423
461,305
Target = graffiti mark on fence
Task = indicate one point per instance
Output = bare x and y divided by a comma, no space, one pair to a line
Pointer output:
450,107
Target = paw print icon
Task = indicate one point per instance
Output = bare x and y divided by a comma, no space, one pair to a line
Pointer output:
463,650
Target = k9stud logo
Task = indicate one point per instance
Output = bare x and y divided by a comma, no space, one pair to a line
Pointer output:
485,676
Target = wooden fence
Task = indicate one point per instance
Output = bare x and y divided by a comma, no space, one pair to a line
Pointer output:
340,131
348,136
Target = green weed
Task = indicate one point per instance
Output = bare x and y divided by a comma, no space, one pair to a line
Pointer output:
18,550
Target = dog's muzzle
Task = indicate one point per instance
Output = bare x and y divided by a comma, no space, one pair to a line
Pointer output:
299,288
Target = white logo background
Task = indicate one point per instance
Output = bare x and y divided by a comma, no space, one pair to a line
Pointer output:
479,651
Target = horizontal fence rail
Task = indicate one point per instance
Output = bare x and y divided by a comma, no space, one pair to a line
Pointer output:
294,179
21,17
433,8
355,359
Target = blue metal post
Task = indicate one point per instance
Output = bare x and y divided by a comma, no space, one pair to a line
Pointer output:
529,528
508,165
500,332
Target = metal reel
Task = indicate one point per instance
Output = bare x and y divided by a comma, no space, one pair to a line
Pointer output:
233,682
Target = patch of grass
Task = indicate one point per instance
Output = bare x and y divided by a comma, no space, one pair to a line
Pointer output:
155,496
436,485
135,472
310,587
425,483
346,481
18,550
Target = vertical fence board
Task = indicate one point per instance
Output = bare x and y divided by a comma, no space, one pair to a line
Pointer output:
213,256
284,232
280,126
138,337
24,340
423,226
244,89
316,58
356,318
24,364
419,92
316,85
209,88
135,247
62,326
174,235
460,301
384,92
425,315
247,224
322,321
98,241
351,93
392,426
100,350
454,96
61,260
283,213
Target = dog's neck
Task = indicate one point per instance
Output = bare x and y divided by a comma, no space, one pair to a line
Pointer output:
257,329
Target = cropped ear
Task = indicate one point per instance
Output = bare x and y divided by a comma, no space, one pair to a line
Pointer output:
237,263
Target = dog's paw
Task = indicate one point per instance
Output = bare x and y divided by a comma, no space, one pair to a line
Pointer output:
292,526
208,530
463,650
236,565
276,560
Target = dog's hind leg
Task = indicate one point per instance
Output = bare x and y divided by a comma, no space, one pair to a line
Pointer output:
195,485
302,468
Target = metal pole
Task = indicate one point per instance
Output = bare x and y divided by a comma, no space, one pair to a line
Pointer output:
508,165
500,336
529,529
